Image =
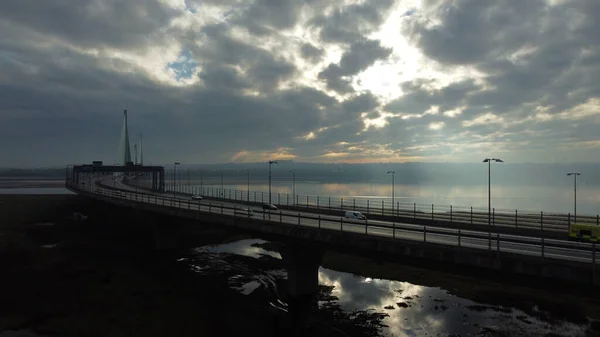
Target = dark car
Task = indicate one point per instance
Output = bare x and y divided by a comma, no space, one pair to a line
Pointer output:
269,207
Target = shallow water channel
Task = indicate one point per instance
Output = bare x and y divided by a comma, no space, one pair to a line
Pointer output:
380,307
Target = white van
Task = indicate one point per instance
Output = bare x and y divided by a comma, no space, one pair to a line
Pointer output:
355,215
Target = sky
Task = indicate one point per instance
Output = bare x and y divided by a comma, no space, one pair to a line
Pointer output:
209,81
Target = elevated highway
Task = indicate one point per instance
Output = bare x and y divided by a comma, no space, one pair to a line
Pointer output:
509,253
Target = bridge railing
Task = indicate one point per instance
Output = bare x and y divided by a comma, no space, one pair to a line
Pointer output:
401,210
537,247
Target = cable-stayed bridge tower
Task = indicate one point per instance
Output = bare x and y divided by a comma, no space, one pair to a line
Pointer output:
141,151
124,151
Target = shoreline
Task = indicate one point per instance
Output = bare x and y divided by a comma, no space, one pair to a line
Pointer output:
566,302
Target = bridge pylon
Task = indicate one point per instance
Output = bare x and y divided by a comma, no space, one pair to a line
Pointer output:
124,151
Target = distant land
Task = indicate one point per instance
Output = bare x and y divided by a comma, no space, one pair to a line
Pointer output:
406,173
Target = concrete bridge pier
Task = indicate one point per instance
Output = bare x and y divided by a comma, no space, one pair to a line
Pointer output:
302,263
167,235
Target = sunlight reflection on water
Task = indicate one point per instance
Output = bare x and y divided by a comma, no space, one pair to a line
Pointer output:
534,198
413,310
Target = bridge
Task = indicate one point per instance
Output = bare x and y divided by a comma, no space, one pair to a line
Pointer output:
307,233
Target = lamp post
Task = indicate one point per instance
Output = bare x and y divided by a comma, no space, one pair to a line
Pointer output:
393,183
248,189
222,190
175,177
201,184
271,162
489,161
293,187
574,174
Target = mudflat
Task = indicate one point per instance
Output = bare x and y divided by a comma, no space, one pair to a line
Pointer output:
104,277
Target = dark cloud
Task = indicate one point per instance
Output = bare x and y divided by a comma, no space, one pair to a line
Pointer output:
263,70
91,23
311,52
361,103
223,48
472,31
195,4
418,99
271,14
359,57
267,72
350,23
225,78
341,123
333,76
533,53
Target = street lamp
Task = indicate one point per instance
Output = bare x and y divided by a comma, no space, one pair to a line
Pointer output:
248,189
222,190
489,161
271,162
293,187
393,176
574,174
201,184
175,177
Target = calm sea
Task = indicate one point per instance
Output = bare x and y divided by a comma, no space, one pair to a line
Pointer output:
35,190
527,198
557,197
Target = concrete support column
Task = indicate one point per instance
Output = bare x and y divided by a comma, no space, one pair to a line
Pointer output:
167,234
154,182
302,264
161,181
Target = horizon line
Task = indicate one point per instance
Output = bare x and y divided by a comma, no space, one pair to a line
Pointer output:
315,163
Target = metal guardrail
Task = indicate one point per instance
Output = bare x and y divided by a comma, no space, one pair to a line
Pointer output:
530,246
449,214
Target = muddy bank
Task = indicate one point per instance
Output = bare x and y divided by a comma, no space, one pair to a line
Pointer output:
104,277
551,302
542,301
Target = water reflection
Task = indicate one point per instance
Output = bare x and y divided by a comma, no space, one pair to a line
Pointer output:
242,247
248,267
407,309
536,198
416,310
35,190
